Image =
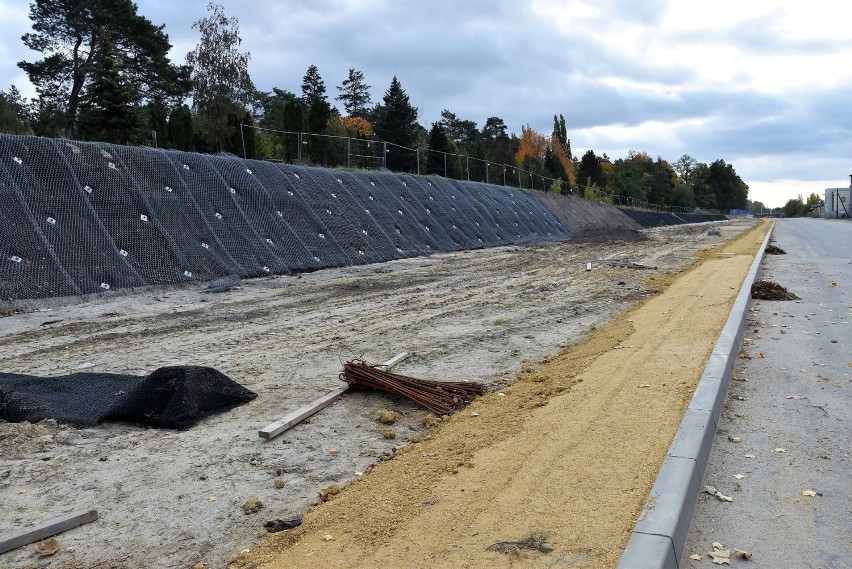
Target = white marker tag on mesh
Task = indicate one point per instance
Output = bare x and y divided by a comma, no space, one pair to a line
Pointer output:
317,259
249,171
372,184
279,214
218,215
15,259
360,252
364,231
168,189
18,160
322,235
333,195
105,286
187,273
112,165
268,240
51,221
339,181
233,191
143,217
123,253
290,192
295,174
205,245
186,166
372,198
267,269
87,189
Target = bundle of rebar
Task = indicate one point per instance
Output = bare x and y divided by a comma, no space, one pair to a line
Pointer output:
442,397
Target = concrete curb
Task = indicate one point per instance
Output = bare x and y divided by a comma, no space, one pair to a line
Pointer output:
659,536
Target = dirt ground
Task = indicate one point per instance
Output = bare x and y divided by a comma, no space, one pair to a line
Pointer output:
175,498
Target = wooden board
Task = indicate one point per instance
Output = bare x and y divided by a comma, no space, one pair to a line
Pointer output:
300,414
46,529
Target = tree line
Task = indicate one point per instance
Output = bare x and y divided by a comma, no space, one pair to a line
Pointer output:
106,76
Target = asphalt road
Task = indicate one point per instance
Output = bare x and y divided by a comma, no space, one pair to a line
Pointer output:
791,413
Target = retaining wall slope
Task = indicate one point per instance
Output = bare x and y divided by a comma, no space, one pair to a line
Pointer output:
77,217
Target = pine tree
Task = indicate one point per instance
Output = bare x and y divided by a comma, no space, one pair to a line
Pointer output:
180,128
77,37
108,113
355,94
397,124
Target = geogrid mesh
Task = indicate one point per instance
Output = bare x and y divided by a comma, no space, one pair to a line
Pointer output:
81,217
658,218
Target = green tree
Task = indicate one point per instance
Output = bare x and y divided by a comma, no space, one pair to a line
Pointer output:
354,94
397,124
247,147
590,173
221,85
272,107
77,36
795,208
157,122
718,186
684,167
13,112
442,158
180,128
498,144
560,133
681,195
315,101
461,131
108,113
318,113
813,200
294,121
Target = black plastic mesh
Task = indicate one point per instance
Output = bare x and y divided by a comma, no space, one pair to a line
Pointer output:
170,397
659,218
80,217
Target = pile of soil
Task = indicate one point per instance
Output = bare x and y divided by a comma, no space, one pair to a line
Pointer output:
606,234
773,250
768,290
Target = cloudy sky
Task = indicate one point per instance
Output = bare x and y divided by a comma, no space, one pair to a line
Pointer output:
764,85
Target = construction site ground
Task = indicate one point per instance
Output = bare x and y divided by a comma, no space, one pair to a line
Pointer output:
590,372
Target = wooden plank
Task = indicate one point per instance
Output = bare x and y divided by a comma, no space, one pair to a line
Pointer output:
46,529
302,413
278,427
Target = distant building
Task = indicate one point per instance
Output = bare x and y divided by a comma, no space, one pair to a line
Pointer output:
838,202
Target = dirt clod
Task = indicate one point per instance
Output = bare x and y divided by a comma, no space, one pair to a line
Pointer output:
768,290
775,250
388,417
252,506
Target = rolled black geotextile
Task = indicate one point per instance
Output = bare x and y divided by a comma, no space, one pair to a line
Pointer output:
170,397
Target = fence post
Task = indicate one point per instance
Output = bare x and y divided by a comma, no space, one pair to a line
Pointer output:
467,161
418,160
348,151
445,164
299,147
384,155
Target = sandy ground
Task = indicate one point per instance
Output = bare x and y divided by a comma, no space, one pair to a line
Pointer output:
174,498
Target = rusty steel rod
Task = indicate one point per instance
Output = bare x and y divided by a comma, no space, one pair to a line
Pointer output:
441,397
